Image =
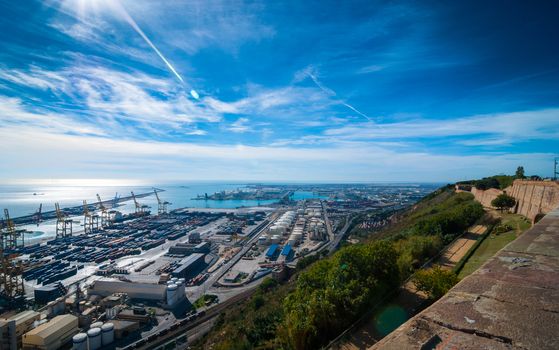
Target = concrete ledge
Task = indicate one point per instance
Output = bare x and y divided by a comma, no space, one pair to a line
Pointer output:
511,302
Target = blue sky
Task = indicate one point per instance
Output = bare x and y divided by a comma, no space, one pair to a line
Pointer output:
277,90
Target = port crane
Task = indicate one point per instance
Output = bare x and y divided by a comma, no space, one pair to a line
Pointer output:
161,205
63,223
11,280
90,220
139,209
105,216
39,214
11,237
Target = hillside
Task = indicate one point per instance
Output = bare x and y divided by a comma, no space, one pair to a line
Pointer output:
323,299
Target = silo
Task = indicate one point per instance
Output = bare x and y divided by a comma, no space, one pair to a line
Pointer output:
107,333
79,341
94,338
171,294
96,325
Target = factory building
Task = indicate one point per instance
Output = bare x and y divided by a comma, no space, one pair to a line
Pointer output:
51,335
187,248
13,328
138,291
190,266
157,293
8,338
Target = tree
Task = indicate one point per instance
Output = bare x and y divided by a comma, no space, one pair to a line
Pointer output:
503,201
520,173
435,282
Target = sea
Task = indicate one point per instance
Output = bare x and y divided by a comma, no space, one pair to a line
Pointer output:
25,199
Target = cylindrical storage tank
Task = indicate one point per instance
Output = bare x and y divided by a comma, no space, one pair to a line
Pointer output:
60,306
183,280
170,282
107,333
171,294
174,279
96,325
82,305
94,338
79,341
275,239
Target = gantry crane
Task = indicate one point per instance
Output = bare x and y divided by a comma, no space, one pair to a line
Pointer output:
105,216
139,209
11,238
39,214
63,223
161,205
11,280
90,220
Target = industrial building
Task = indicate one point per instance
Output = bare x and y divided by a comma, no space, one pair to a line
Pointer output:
190,266
51,335
13,328
139,291
187,248
168,295
8,339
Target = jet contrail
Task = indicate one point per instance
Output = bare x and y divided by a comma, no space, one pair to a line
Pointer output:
134,25
333,93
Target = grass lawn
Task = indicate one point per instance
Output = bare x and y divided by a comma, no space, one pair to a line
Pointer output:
494,242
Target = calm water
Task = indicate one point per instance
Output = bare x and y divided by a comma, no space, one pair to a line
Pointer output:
20,199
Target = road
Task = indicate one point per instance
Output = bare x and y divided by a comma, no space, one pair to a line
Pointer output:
336,241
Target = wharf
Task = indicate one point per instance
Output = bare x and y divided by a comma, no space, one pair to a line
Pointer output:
76,210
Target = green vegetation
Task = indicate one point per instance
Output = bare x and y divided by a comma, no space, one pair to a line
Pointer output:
510,227
503,201
334,292
520,173
435,282
326,295
205,300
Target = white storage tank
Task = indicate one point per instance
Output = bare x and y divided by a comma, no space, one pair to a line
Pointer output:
183,280
96,325
275,239
107,333
262,240
79,341
94,338
172,294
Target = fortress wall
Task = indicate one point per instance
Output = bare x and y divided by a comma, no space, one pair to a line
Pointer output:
485,197
533,197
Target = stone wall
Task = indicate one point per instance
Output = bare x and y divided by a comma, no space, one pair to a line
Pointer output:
485,197
533,198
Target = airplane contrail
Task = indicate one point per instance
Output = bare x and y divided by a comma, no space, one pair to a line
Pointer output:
331,92
139,30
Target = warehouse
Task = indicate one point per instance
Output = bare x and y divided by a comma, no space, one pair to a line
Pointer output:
138,291
13,328
51,335
190,266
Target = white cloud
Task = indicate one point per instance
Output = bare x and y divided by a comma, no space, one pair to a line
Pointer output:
240,126
509,127
359,162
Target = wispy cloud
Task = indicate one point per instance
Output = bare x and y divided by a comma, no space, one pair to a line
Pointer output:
241,125
509,127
